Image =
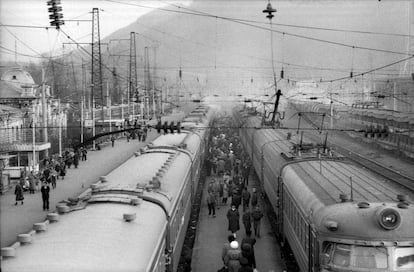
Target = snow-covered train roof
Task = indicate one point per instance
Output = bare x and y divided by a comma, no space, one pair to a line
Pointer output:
96,238
167,166
172,139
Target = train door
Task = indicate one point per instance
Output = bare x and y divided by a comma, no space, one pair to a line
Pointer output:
313,250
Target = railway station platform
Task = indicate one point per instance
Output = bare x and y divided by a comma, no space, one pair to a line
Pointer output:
212,234
17,219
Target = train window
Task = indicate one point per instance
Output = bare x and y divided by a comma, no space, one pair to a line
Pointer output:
404,258
353,256
370,257
342,255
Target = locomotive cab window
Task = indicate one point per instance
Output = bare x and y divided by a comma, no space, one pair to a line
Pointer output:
404,258
358,258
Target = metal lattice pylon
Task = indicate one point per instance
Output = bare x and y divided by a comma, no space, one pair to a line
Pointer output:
133,79
408,66
97,88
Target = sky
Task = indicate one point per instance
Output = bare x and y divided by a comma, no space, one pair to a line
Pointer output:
190,41
32,41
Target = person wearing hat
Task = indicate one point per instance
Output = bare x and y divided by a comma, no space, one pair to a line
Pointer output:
232,259
226,246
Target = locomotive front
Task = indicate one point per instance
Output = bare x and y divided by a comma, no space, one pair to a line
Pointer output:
366,237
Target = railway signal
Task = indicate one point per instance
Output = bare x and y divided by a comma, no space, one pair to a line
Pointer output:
56,13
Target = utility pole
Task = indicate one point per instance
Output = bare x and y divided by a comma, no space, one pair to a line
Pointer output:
97,90
60,128
154,85
133,79
44,112
147,79
269,10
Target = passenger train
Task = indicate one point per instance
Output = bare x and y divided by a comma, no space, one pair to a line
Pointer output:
133,219
335,215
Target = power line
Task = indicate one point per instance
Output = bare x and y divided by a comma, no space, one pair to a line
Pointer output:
204,14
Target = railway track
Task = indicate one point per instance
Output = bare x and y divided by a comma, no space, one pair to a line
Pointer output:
382,170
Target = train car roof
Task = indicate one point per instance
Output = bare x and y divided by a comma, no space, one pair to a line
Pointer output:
171,139
314,189
352,220
140,172
94,239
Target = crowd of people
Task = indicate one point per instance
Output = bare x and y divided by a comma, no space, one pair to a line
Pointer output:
229,168
53,169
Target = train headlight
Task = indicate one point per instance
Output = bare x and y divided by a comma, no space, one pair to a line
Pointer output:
389,219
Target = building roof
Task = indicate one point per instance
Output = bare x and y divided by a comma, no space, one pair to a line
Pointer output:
18,77
9,90
5,110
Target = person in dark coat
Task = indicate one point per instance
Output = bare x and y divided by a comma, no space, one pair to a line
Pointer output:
84,154
254,198
18,191
249,239
32,183
62,171
245,198
247,221
233,216
257,215
245,267
45,195
247,252
113,141
211,203
76,159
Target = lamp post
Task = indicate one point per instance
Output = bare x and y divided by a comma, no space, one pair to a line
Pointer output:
269,10
34,139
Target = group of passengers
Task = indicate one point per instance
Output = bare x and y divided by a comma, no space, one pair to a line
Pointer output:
229,167
53,168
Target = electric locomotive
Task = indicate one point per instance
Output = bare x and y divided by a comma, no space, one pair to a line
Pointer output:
133,219
335,215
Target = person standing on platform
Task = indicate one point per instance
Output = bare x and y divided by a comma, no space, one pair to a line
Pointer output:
211,203
225,193
18,191
128,136
250,241
32,182
232,259
247,252
62,172
234,217
257,215
113,140
226,246
76,159
254,198
144,136
246,173
84,153
45,195
208,167
245,199
245,266
247,221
